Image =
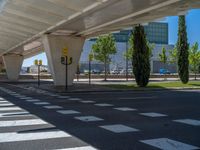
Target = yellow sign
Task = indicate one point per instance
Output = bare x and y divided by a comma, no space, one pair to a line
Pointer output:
36,62
65,51
90,57
40,62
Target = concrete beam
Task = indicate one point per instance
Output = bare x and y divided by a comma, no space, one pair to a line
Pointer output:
53,46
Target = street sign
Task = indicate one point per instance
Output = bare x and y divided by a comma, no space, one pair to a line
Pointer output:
65,51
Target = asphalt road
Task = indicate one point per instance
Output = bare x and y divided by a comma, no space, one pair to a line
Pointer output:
32,119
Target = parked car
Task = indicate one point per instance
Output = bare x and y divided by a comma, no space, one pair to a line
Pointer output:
130,71
164,71
123,71
86,72
95,71
115,72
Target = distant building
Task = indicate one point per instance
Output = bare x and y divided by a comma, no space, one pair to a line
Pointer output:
34,69
156,33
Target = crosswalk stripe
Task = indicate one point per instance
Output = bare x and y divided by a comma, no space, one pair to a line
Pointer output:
22,122
7,104
79,148
3,102
33,100
53,107
15,114
9,108
16,137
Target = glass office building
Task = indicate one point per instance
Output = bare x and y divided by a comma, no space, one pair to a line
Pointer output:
156,32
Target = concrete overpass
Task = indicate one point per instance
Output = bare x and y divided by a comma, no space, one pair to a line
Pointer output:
29,27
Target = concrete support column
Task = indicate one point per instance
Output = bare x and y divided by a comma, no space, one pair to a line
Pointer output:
53,46
13,64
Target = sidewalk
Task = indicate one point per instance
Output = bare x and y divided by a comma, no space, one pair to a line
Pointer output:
99,85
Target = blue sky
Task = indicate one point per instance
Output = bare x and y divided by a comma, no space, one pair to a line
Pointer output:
193,30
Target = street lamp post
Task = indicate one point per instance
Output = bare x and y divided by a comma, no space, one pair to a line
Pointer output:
38,63
126,61
66,61
90,59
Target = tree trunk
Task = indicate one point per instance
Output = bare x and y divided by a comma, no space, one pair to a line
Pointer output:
165,77
105,69
195,76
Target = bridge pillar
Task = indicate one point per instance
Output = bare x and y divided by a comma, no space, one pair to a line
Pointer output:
53,46
13,64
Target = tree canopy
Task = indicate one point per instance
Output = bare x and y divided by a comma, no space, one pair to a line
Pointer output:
163,56
103,48
183,54
194,58
140,57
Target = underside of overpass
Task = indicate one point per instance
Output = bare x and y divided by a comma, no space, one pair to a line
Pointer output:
29,27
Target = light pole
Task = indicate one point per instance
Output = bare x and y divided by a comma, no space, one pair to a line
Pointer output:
38,63
127,61
90,58
66,61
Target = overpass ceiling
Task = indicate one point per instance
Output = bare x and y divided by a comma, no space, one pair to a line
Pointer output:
23,21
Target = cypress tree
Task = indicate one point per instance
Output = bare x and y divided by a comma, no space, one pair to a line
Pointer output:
183,54
141,57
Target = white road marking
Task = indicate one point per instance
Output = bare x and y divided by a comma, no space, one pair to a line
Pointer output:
15,94
1,98
26,98
130,98
167,144
53,107
79,148
63,97
74,99
15,114
33,100
125,109
9,108
88,118
21,96
42,103
153,114
189,121
7,104
27,122
87,102
52,94
103,105
68,112
16,137
119,128
1,102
